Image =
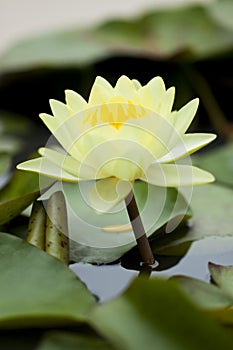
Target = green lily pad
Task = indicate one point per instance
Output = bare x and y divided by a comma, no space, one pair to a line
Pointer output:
22,189
72,341
158,35
37,290
219,162
204,294
216,299
71,48
223,277
212,215
222,11
103,238
156,314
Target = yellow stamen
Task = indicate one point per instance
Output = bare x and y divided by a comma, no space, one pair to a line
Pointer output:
115,112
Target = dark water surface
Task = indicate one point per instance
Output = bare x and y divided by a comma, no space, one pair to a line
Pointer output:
109,281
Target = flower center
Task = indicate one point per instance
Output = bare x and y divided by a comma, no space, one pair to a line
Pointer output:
115,112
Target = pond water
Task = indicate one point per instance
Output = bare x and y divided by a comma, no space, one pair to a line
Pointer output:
109,281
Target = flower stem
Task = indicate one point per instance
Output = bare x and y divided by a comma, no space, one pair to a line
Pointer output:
138,229
56,229
36,227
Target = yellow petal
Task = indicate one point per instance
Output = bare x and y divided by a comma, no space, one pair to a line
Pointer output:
167,101
121,158
59,109
125,88
172,175
99,94
136,83
85,142
44,166
183,118
145,96
49,120
157,90
187,144
107,193
65,133
75,101
103,82
153,131
69,164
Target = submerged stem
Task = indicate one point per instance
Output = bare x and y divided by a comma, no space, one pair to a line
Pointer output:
36,227
138,229
56,231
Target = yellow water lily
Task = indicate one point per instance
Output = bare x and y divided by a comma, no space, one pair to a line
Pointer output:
123,133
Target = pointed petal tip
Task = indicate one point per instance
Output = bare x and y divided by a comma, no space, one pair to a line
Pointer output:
212,137
204,177
52,101
195,101
45,115
99,78
41,150
18,166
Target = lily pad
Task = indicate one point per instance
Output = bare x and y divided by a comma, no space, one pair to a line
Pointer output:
155,313
103,238
70,48
222,11
18,194
37,290
72,341
157,35
212,215
204,294
219,162
216,299
223,277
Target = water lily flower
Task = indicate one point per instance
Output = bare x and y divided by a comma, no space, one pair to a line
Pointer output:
123,133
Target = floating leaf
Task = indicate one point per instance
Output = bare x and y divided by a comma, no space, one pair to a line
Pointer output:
18,194
155,313
222,11
71,341
218,298
102,238
205,294
212,211
71,48
159,35
37,289
219,162
223,277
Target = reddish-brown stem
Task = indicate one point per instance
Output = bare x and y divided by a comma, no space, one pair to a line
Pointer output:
138,229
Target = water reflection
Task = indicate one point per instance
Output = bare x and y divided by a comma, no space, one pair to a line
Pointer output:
105,281
108,281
